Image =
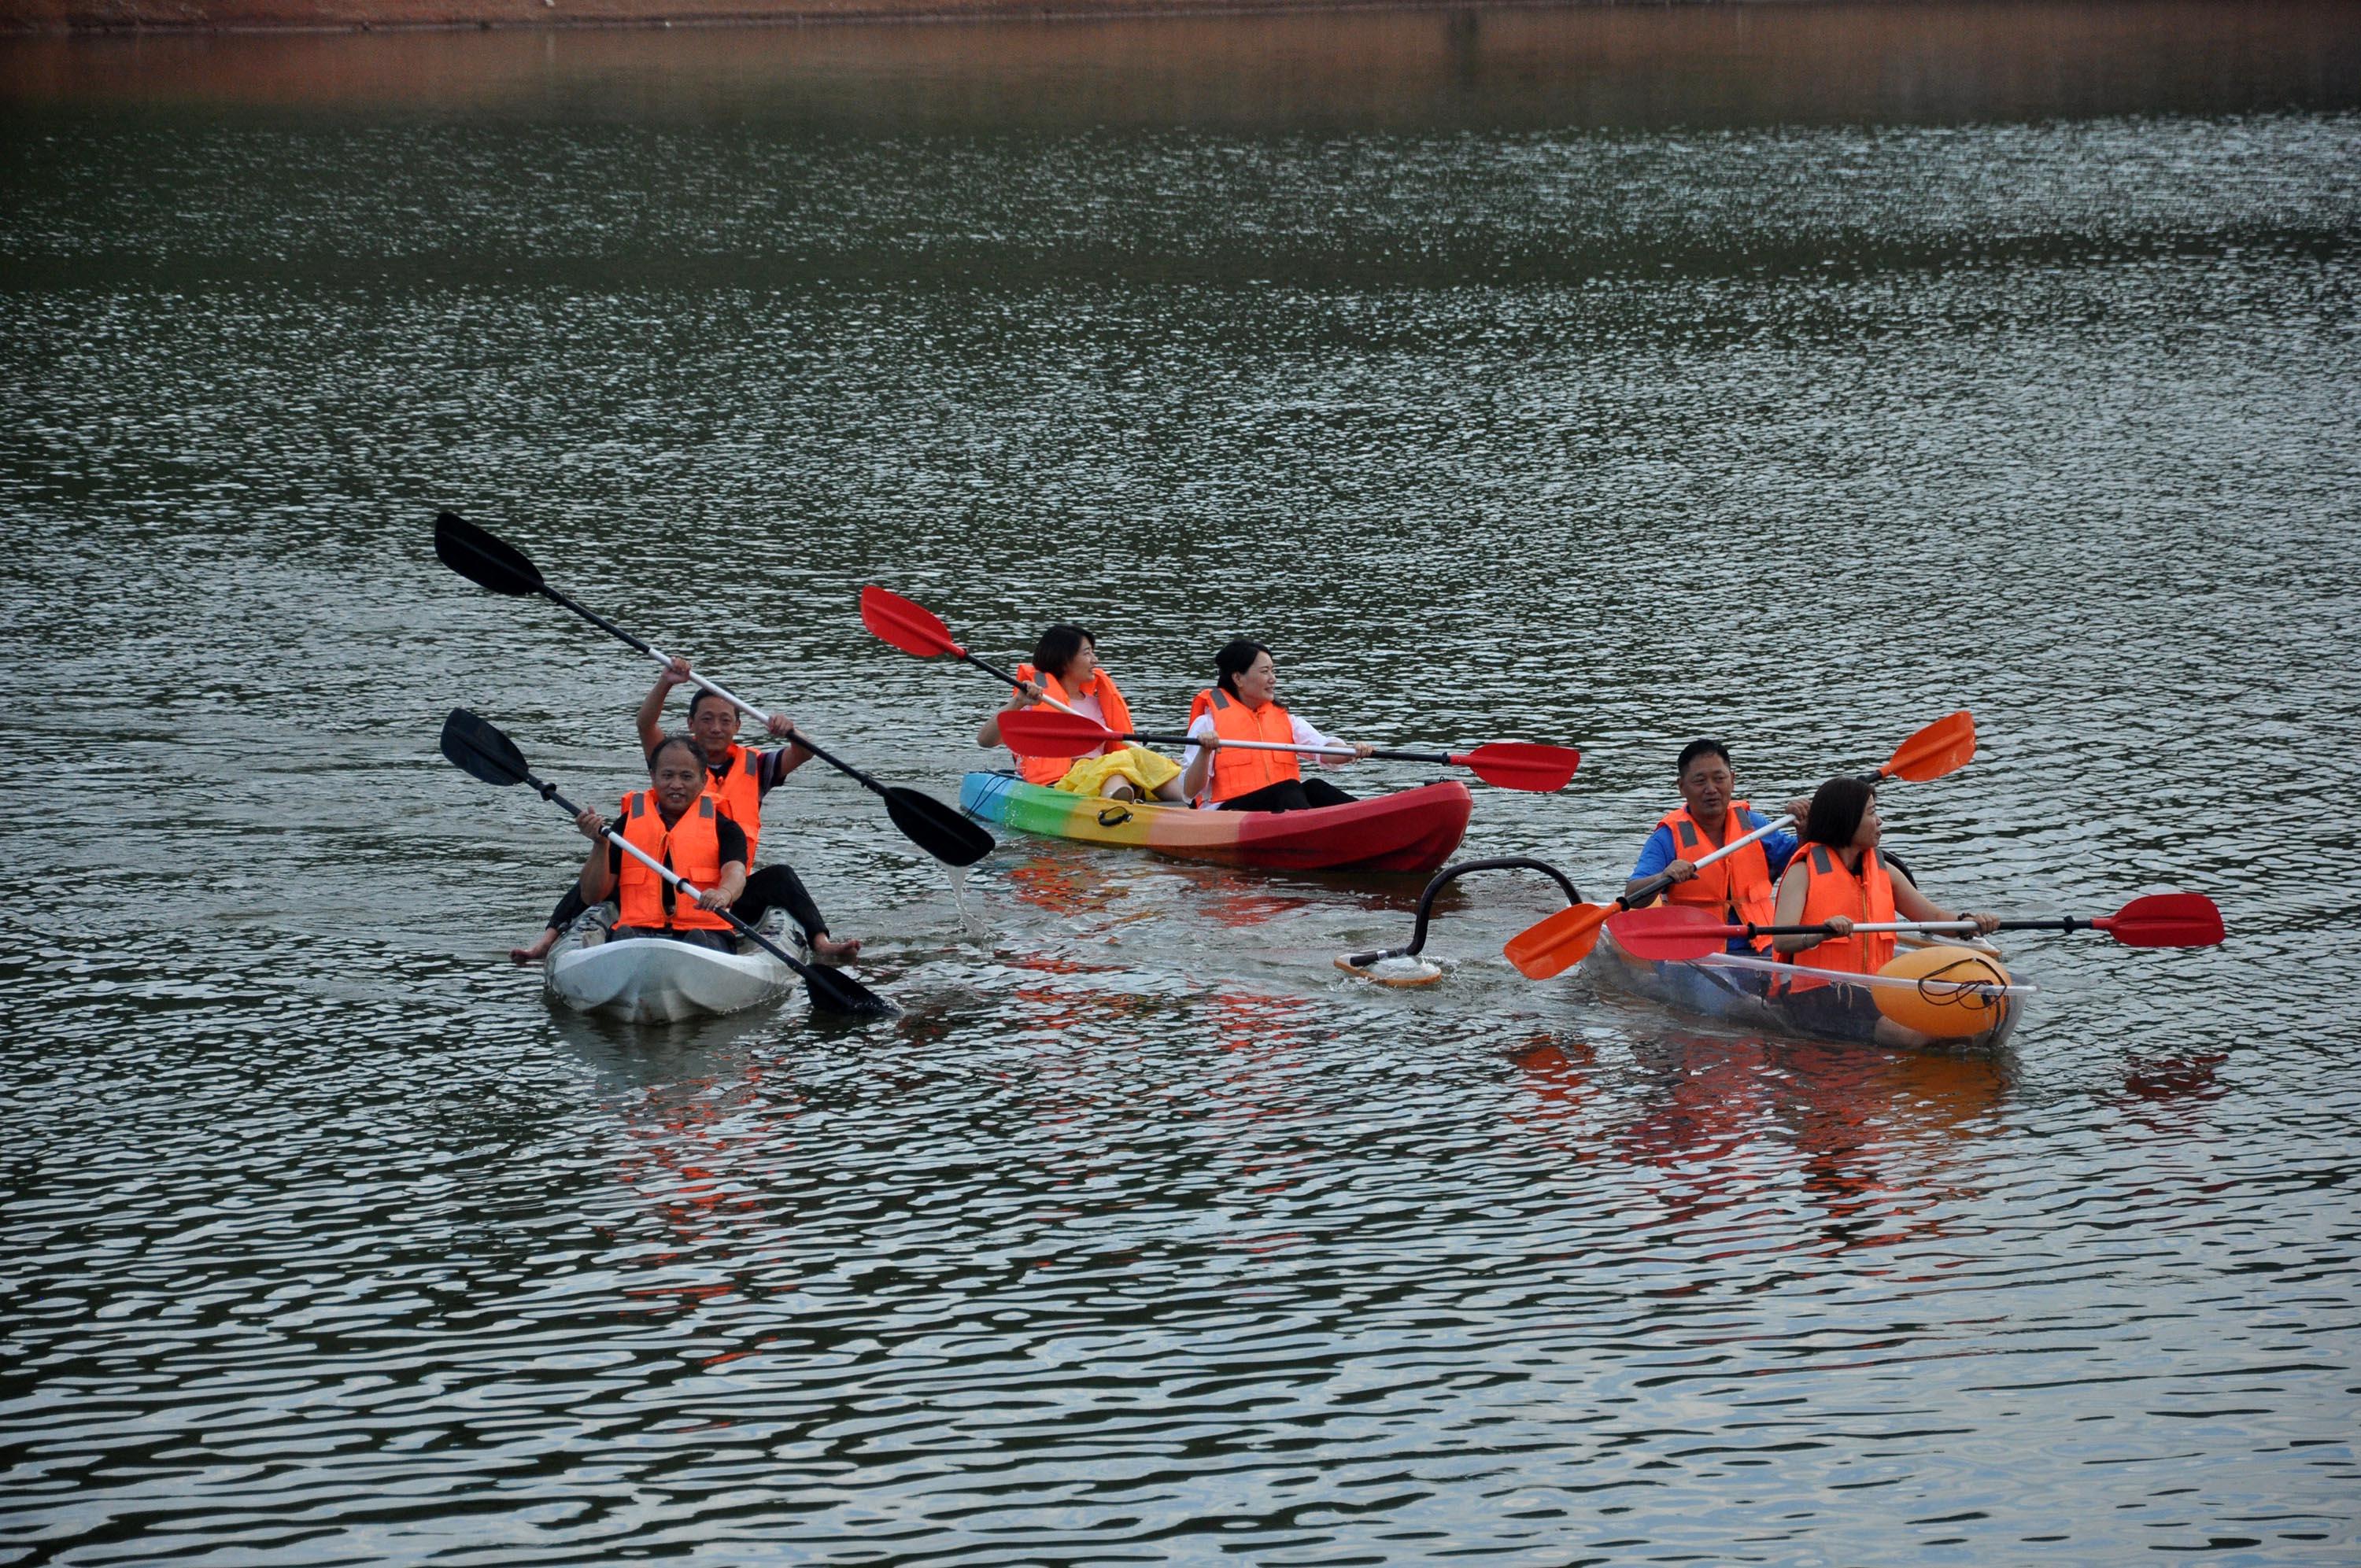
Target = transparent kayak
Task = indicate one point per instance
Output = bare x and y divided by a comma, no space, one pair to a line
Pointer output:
1762,993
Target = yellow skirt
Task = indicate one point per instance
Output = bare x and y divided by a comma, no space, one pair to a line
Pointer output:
1144,768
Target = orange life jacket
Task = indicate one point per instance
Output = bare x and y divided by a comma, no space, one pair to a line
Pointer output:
1114,712
691,847
1243,772
1867,895
740,793
1737,887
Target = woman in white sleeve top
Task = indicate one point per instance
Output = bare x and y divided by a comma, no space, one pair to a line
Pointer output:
1245,706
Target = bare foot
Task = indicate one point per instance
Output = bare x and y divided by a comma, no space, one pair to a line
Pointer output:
535,950
835,950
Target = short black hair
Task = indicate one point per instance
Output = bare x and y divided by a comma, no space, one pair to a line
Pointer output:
658,750
702,693
1058,647
1236,657
1696,749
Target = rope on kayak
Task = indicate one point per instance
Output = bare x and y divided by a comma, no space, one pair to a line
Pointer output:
1939,988
1403,966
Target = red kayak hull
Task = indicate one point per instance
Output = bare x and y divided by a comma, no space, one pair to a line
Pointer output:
1412,831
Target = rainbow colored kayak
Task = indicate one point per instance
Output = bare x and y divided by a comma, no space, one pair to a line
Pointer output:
1412,831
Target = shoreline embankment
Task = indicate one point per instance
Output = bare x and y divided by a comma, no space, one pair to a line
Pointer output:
58,17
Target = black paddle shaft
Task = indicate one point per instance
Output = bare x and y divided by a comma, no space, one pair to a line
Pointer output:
492,562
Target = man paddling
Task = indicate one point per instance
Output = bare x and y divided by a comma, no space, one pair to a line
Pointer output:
739,779
1740,887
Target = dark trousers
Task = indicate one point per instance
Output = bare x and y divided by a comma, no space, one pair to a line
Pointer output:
1290,795
773,887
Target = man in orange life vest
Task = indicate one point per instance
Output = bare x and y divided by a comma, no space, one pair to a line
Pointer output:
739,779
679,821
1740,886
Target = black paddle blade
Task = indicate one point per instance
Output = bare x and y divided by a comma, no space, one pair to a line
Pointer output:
482,559
833,990
478,749
937,829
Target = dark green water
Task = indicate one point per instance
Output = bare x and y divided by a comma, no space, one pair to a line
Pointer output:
1797,376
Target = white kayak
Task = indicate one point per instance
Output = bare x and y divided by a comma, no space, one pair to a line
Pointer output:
651,980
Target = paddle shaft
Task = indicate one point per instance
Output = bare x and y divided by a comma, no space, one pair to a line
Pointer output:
2063,923
716,687
1281,746
1663,880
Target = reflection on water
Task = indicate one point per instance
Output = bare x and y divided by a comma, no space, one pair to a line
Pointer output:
1796,375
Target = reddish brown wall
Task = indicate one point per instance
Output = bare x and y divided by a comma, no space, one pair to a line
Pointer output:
219,15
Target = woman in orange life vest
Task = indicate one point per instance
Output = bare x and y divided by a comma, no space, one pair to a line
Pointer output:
738,778
1065,668
1741,887
681,822
1838,877
1245,706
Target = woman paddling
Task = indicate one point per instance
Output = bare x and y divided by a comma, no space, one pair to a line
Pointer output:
1839,877
1065,670
1244,705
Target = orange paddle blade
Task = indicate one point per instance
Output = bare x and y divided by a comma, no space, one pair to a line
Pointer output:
906,623
1521,764
1551,946
1943,747
1045,733
1674,932
2166,920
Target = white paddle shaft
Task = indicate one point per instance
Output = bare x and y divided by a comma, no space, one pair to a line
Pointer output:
1735,845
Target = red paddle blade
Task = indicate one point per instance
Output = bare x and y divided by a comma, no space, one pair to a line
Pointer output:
1551,946
1521,764
1943,747
1674,932
2166,920
906,623
1045,733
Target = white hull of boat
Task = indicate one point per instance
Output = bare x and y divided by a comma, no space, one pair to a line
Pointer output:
647,980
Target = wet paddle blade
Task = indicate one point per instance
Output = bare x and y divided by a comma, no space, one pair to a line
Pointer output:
1045,733
832,991
1522,765
2166,920
1552,946
906,623
938,829
1943,747
482,559
1672,933
481,750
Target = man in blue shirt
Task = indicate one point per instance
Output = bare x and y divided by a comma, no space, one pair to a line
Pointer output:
1742,886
